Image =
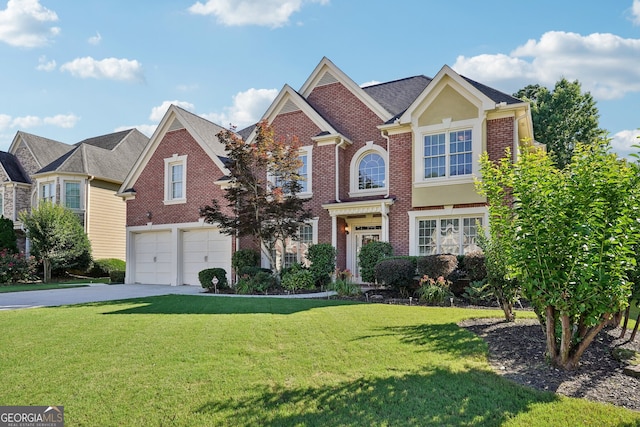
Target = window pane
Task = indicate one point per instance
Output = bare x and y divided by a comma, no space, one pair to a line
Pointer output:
427,237
304,183
460,153
371,171
176,181
72,195
434,156
47,192
471,228
450,236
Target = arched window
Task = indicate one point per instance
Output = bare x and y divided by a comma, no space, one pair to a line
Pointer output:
371,172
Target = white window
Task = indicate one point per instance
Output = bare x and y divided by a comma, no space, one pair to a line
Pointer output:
305,173
72,195
48,192
457,235
175,177
369,171
295,250
448,154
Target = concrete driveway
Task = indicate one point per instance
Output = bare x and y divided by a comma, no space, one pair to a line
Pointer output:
94,293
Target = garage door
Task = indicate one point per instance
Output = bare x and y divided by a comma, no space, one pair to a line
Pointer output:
203,249
153,257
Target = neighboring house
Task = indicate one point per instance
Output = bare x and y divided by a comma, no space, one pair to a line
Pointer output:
394,162
83,177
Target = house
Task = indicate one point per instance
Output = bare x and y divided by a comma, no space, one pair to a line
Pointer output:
84,177
393,162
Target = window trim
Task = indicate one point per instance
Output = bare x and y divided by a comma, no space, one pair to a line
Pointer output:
41,185
446,127
63,193
306,150
174,160
447,212
354,171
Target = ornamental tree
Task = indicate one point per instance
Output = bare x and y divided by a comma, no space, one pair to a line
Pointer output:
57,238
262,195
570,238
562,118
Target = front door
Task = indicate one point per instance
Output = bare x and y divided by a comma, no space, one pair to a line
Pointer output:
362,236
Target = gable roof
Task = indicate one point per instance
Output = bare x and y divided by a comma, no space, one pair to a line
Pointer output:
494,94
107,157
202,130
43,150
397,95
13,169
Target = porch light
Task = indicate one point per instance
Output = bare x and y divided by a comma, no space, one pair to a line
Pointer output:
347,229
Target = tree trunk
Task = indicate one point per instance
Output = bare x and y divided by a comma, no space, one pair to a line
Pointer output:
551,333
46,265
626,321
565,340
635,329
574,360
507,307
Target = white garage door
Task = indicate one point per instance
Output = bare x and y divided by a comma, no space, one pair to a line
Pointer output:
153,257
203,249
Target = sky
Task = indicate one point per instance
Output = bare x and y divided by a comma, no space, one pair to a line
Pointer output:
71,70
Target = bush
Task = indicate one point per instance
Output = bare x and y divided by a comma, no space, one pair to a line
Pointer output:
397,273
297,278
116,276
16,267
473,263
245,258
252,271
103,267
207,275
437,265
434,291
479,293
345,288
370,255
260,282
323,262
8,238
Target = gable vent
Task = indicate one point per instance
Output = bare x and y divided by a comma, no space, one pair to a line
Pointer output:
327,79
289,107
175,125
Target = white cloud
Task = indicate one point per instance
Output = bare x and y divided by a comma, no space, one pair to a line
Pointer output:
26,122
623,141
157,113
108,68
95,40
248,107
268,13
25,23
635,12
44,65
605,64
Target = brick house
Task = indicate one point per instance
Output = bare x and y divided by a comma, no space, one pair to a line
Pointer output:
395,162
84,177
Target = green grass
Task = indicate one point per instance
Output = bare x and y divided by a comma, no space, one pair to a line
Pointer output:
70,283
194,360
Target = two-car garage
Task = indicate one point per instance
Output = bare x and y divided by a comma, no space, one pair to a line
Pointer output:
175,256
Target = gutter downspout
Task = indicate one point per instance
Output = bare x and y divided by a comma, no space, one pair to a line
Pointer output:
385,135
338,145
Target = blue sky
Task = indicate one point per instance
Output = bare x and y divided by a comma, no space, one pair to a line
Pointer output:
71,70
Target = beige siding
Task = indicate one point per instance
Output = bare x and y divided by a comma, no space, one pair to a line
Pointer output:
446,195
106,215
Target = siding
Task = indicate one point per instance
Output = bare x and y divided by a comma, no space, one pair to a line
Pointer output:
106,221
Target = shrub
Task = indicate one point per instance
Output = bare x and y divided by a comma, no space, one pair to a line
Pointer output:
397,273
297,278
116,276
207,275
473,263
103,267
245,258
15,267
437,265
345,288
323,261
260,282
8,238
252,271
370,255
479,293
434,291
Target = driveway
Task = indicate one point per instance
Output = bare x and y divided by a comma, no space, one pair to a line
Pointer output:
100,292
93,293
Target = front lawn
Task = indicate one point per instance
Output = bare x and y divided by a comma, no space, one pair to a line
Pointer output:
195,360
